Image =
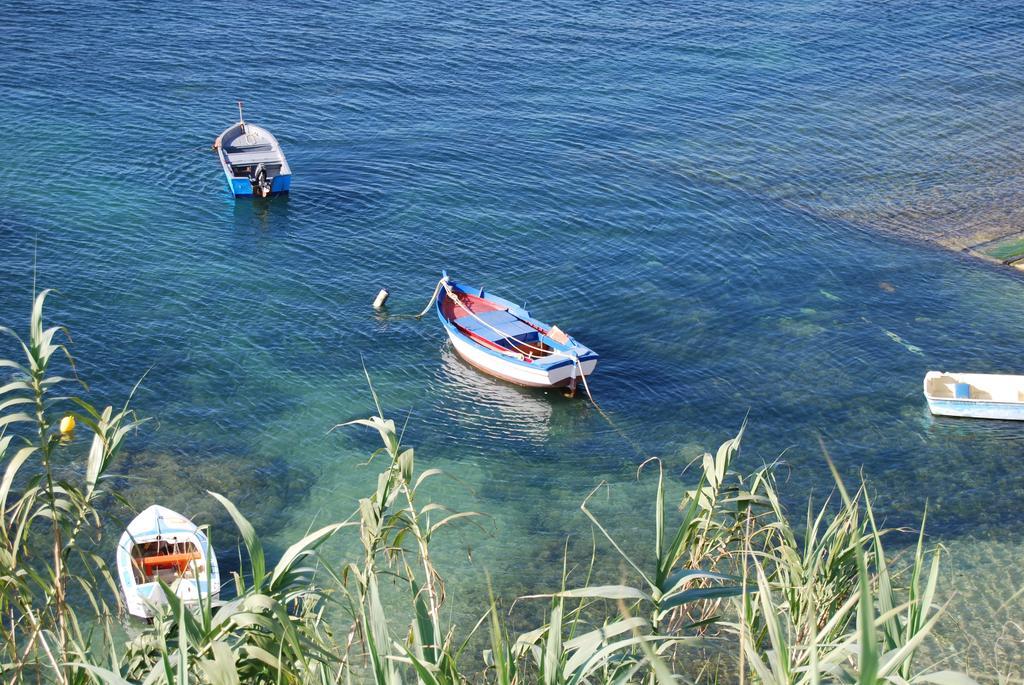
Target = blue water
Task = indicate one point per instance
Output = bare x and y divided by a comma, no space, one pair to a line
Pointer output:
707,194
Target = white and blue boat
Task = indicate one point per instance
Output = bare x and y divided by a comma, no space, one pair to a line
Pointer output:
975,395
252,160
502,339
160,544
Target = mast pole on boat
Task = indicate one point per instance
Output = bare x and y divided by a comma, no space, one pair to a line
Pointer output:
241,119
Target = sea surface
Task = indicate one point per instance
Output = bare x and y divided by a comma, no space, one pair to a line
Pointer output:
698,191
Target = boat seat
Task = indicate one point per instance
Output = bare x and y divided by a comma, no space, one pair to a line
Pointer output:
180,561
507,325
247,158
259,147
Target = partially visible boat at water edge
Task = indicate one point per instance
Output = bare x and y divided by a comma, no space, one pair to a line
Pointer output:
975,395
502,339
252,160
160,544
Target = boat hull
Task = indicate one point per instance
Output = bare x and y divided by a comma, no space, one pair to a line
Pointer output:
977,409
512,372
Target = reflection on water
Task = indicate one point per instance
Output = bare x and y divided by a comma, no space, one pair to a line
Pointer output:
260,214
488,407
950,428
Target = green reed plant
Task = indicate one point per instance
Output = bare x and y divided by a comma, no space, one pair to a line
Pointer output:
816,570
673,602
900,629
396,530
827,610
730,579
40,499
683,589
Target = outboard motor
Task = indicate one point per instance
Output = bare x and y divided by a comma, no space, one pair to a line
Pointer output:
260,183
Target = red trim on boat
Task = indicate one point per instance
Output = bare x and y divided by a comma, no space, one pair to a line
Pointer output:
467,304
474,304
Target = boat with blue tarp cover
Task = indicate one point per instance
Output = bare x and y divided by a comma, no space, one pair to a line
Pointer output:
504,340
252,160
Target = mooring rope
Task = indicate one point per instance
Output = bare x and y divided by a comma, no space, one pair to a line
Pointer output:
611,422
430,303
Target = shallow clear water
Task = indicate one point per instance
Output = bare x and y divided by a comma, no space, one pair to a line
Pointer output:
674,185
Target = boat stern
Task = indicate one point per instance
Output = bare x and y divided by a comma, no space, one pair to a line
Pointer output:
239,187
242,186
281,184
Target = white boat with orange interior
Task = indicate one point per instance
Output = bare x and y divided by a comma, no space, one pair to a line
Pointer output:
162,545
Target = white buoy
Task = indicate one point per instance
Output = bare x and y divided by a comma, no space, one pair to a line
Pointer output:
382,297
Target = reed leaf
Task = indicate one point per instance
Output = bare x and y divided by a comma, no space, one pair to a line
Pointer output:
946,678
552,661
501,657
103,675
220,670
599,591
252,542
285,572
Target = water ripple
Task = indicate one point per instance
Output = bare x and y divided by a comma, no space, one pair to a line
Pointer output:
695,191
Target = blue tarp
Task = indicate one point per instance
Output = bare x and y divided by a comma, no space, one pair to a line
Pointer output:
509,325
